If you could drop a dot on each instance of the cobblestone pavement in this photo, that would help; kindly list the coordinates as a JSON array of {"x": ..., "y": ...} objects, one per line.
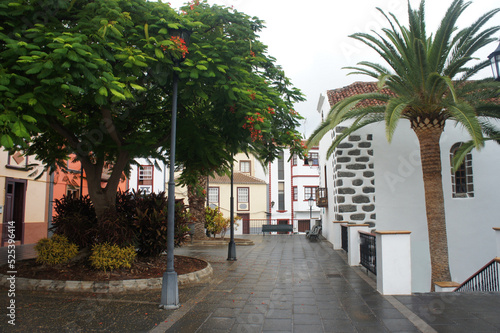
[{"x": 281, "y": 284}]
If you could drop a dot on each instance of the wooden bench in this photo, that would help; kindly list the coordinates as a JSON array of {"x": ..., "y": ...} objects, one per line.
[
  {"x": 276, "y": 228},
  {"x": 313, "y": 235}
]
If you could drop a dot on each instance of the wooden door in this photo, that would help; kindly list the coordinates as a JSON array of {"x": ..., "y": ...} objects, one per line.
[
  {"x": 15, "y": 198},
  {"x": 304, "y": 225},
  {"x": 245, "y": 219}
]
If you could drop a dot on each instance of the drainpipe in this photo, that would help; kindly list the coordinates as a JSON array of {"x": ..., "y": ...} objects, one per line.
[
  {"x": 51, "y": 197},
  {"x": 270, "y": 199},
  {"x": 291, "y": 192}
]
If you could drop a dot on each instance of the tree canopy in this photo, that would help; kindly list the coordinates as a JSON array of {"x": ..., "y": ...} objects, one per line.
[{"x": 95, "y": 78}]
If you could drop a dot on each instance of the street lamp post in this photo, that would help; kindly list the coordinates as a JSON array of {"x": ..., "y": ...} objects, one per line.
[
  {"x": 170, "y": 289},
  {"x": 311, "y": 203},
  {"x": 495, "y": 63},
  {"x": 231, "y": 251}
]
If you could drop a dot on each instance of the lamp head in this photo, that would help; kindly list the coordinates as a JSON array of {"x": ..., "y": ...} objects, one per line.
[{"x": 495, "y": 63}]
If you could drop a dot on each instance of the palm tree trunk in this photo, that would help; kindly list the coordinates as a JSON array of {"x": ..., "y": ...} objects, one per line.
[
  {"x": 196, "y": 196},
  {"x": 430, "y": 154}
]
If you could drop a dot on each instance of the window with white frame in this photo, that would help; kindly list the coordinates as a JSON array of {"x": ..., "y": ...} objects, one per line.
[
  {"x": 462, "y": 179},
  {"x": 145, "y": 172},
  {"x": 145, "y": 178},
  {"x": 243, "y": 198},
  {"x": 281, "y": 196},
  {"x": 309, "y": 192},
  {"x": 294, "y": 159},
  {"x": 245, "y": 166},
  {"x": 213, "y": 196},
  {"x": 295, "y": 193},
  {"x": 313, "y": 159}
]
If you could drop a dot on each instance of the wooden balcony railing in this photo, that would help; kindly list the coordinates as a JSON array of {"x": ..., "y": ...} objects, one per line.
[{"x": 321, "y": 197}]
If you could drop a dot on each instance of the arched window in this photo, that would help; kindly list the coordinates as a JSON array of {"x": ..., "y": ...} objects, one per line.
[{"x": 462, "y": 180}]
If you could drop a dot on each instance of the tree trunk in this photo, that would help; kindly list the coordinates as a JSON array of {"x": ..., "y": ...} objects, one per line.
[
  {"x": 104, "y": 198},
  {"x": 430, "y": 154},
  {"x": 196, "y": 196}
]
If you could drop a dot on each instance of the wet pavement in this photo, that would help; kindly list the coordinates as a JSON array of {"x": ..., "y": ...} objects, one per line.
[{"x": 281, "y": 284}]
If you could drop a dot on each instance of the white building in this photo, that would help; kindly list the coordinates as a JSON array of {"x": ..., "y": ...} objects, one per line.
[
  {"x": 370, "y": 180},
  {"x": 291, "y": 184},
  {"x": 149, "y": 175}
]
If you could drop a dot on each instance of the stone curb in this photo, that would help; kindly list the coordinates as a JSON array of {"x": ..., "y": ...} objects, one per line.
[{"x": 117, "y": 286}]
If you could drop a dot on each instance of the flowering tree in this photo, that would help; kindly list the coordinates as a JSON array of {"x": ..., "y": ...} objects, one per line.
[
  {"x": 233, "y": 96},
  {"x": 95, "y": 78}
]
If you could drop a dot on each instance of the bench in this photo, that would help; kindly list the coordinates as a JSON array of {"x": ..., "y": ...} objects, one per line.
[
  {"x": 276, "y": 228},
  {"x": 313, "y": 235},
  {"x": 313, "y": 230}
]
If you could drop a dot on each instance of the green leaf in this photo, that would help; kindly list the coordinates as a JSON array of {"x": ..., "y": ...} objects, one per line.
[
  {"x": 174, "y": 26},
  {"x": 194, "y": 74},
  {"x": 117, "y": 94},
  {"x": 137, "y": 87},
  {"x": 6, "y": 141},
  {"x": 159, "y": 54},
  {"x": 103, "y": 91},
  {"x": 19, "y": 130},
  {"x": 28, "y": 118},
  {"x": 201, "y": 67},
  {"x": 35, "y": 69}
]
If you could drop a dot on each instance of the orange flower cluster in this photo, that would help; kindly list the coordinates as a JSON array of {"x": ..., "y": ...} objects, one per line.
[
  {"x": 194, "y": 3},
  {"x": 179, "y": 45},
  {"x": 255, "y": 134},
  {"x": 271, "y": 110}
]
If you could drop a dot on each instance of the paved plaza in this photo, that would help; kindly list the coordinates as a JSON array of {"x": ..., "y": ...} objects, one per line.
[{"x": 281, "y": 284}]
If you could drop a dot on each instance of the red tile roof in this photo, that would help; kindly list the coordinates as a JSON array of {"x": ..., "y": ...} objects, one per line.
[
  {"x": 336, "y": 95},
  {"x": 239, "y": 178}
]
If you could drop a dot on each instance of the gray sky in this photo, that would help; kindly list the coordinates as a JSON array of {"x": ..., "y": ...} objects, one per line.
[{"x": 310, "y": 39}]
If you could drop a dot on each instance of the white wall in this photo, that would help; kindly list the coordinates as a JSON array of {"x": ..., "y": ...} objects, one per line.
[
  {"x": 160, "y": 176},
  {"x": 400, "y": 201}
]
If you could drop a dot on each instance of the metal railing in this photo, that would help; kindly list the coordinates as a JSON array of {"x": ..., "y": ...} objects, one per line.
[
  {"x": 368, "y": 251},
  {"x": 486, "y": 279},
  {"x": 344, "y": 238},
  {"x": 254, "y": 226}
]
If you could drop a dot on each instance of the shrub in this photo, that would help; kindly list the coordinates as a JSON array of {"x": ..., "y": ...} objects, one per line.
[
  {"x": 215, "y": 221},
  {"x": 115, "y": 228},
  {"x": 138, "y": 220},
  {"x": 56, "y": 250},
  {"x": 151, "y": 222},
  {"x": 75, "y": 219},
  {"x": 107, "y": 256}
]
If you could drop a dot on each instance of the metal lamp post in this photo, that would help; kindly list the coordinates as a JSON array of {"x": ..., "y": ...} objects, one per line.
[
  {"x": 231, "y": 251},
  {"x": 311, "y": 203},
  {"x": 495, "y": 63},
  {"x": 170, "y": 289}
]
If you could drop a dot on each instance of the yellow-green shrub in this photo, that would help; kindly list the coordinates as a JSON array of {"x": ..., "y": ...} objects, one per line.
[
  {"x": 55, "y": 250},
  {"x": 107, "y": 256}
]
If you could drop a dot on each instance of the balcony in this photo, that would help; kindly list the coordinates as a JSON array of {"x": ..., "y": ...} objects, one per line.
[{"x": 321, "y": 197}]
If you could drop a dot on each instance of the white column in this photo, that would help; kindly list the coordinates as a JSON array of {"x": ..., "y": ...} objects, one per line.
[
  {"x": 497, "y": 236},
  {"x": 393, "y": 262},
  {"x": 353, "y": 254}
]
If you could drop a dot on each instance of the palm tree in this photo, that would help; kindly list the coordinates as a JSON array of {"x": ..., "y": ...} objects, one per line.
[{"x": 427, "y": 83}]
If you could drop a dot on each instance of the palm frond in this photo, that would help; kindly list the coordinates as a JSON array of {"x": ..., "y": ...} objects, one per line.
[
  {"x": 460, "y": 154},
  {"x": 395, "y": 108},
  {"x": 465, "y": 115}
]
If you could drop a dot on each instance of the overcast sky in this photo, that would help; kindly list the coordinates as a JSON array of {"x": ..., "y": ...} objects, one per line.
[{"x": 310, "y": 39}]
